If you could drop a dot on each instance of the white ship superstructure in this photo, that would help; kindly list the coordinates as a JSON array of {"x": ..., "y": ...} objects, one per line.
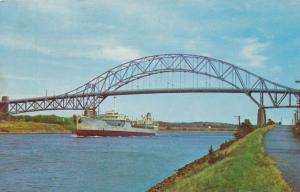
[{"x": 114, "y": 124}]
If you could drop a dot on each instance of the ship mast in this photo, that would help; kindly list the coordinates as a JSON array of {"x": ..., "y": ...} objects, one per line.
[{"x": 114, "y": 103}]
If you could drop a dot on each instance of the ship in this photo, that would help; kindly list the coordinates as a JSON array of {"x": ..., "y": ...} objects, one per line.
[{"x": 114, "y": 124}]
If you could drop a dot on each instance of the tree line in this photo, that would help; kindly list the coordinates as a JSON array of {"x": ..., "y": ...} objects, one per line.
[{"x": 51, "y": 119}]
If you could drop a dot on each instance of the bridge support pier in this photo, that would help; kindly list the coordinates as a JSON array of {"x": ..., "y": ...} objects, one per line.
[
  {"x": 261, "y": 117},
  {"x": 4, "y": 109},
  {"x": 90, "y": 113}
]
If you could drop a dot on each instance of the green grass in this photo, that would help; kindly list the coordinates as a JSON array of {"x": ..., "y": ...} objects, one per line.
[
  {"x": 296, "y": 130},
  {"x": 66, "y": 122},
  {"x": 31, "y": 127},
  {"x": 245, "y": 168}
]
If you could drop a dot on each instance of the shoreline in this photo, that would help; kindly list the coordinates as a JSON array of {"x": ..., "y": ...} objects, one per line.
[
  {"x": 166, "y": 131},
  {"x": 37, "y": 133},
  {"x": 200, "y": 175},
  {"x": 21, "y": 127},
  {"x": 197, "y": 129},
  {"x": 70, "y": 132}
]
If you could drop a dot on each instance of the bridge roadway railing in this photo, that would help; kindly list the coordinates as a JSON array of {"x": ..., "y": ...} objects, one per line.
[{"x": 88, "y": 101}]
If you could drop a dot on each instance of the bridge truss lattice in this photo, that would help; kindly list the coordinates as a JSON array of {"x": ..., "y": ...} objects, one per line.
[{"x": 264, "y": 93}]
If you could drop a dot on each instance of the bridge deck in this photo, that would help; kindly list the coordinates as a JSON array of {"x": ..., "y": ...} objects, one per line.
[{"x": 149, "y": 91}]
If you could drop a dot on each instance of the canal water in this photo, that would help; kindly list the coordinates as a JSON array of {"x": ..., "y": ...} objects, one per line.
[
  {"x": 65, "y": 163},
  {"x": 284, "y": 148}
]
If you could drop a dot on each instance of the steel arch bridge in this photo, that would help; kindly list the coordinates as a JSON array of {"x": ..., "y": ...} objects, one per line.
[{"x": 264, "y": 93}]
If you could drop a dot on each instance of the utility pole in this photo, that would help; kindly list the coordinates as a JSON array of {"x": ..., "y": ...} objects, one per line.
[
  {"x": 295, "y": 117},
  {"x": 239, "y": 119},
  {"x": 114, "y": 103},
  {"x": 298, "y": 109}
]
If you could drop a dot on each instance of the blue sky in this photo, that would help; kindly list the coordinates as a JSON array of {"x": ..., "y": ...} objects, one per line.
[{"x": 60, "y": 44}]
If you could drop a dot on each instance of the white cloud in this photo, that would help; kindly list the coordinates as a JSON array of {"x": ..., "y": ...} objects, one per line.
[
  {"x": 121, "y": 53},
  {"x": 198, "y": 47},
  {"x": 252, "y": 52},
  {"x": 93, "y": 48},
  {"x": 22, "y": 78},
  {"x": 97, "y": 48},
  {"x": 115, "y": 53},
  {"x": 56, "y": 7},
  {"x": 63, "y": 12},
  {"x": 18, "y": 42}
]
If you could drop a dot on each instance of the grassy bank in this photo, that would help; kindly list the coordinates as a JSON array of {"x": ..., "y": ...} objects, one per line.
[
  {"x": 243, "y": 166},
  {"x": 296, "y": 130},
  {"x": 66, "y": 122},
  {"x": 196, "y": 126},
  {"x": 174, "y": 129},
  {"x": 43, "y": 124},
  {"x": 20, "y": 127}
]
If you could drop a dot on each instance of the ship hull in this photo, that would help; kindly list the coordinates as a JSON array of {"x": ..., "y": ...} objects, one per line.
[
  {"x": 101, "y": 133},
  {"x": 94, "y": 127}
]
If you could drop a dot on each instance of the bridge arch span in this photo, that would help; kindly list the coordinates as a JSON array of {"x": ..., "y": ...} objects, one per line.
[
  {"x": 264, "y": 93},
  {"x": 240, "y": 79}
]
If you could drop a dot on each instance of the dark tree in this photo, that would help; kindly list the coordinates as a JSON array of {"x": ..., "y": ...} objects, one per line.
[
  {"x": 270, "y": 122},
  {"x": 246, "y": 128}
]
